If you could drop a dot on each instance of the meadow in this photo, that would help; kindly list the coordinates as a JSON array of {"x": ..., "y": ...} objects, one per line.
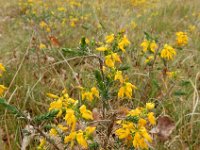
[{"x": 100, "y": 74}]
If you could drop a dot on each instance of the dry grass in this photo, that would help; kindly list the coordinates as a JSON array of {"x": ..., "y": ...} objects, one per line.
[{"x": 32, "y": 73}]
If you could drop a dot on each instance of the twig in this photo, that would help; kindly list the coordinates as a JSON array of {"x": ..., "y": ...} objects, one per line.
[
  {"x": 45, "y": 136},
  {"x": 109, "y": 131}
]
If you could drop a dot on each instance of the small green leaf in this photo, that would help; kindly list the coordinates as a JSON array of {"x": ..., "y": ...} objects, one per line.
[
  {"x": 48, "y": 116},
  {"x": 179, "y": 93},
  {"x": 123, "y": 68},
  {"x": 94, "y": 146},
  {"x": 11, "y": 108},
  {"x": 133, "y": 119},
  {"x": 98, "y": 76},
  {"x": 184, "y": 83}
]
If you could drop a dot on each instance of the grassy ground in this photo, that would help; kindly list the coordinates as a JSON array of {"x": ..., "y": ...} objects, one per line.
[{"x": 31, "y": 72}]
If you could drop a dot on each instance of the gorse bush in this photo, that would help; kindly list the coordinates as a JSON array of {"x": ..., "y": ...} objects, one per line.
[{"x": 78, "y": 121}]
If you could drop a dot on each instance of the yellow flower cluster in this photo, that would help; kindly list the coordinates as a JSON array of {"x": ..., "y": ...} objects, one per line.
[
  {"x": 168, "y": 52},
  {"x": 181, "y": 38},
  {"x": 150, "y": 46},
  {"x": 133, "y": 129},
  {"x": 90, "y": 95},
  {"x": 111, "y": 59},
  {"x": 2, "y": 87},
  {"x": 114, "y": 44},
  {"x": 121, "y": 43},
  {"x": 126, "y": 88},
  {"x": 43, "y": 25},
  {"x": 42, "y": 46},
  {"x": 124, "y": 42},
  {"x": 86, "y": 114},
  {"x": 71, "y": 114},
  {"x": 80, "y": 137}
]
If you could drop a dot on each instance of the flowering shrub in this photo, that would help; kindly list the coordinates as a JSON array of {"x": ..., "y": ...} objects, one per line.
[
  {"x": 77, "y": 121},
  {"x": 74, "y": 113}
]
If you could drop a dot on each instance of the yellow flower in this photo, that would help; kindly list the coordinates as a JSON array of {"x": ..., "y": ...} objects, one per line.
[
  {"x": 61, "y": 9},
  {"x": 126, "y": 90},
  {"x": 69, "y": 101},
  {"x": 144, "y": 133},
  {"x": 129, "y": 125},
  {"x": 136, "y": 140},
  {"x": 50, "y": 95},
  {"x": 116, "y": 57},
  {"x": 61, "y": 127},
  {"x": 151, "y": 118},
  {"x": 168, "y": 52},
  {"x": 70, "y": 138},
  {"x": 140, "y": 139},
  {"x": 149, "y": 45},
  {"x": 145, "y": 45},
  {"x": 124, "y": 43},
  {"x": 181, "y": 38},
  {"x": 121, "y": 92},
  {"x": 95, "y": 92},
  {"x": 87, "y": 95},
  {"x": 2, "y": 89},
  {"x": 87, "y": 41},
  {"x": 142, "y": 122},
  {"x": 171, "y": 74},
  {"x": 118, "y": 76},
  {"x": 129, "y": 88},
  {"x": 56, "y": 105},
  {"x": 89, "y": 130},
  {"x": 2, "y": 69},
  {"x": 138, "y": 134},
  {"x": 110, "y": 38},
  {"x": 102, "y": 48},
  {"x": 125, "y": 130},
  {"x": 149, "y": 59},
  {"x": 81, "y": 140},
  {"x": 135, "y": 112},
  {"x": 48, "y": 29},
  {"x": 42, "y": 46},
  {"x": 109, "y": 61},
  {"x": 122, "y": 133},
  {"x": 153, "y": 46},
  {"x": 86, "y": 114},
  {"x": 150, "y": 106},
  {"x": 53, "y": 132},
  {"x": 70, "y": 118},
  {"x": 42, "y": 143},
  {"x": 43, "y": 24}
]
